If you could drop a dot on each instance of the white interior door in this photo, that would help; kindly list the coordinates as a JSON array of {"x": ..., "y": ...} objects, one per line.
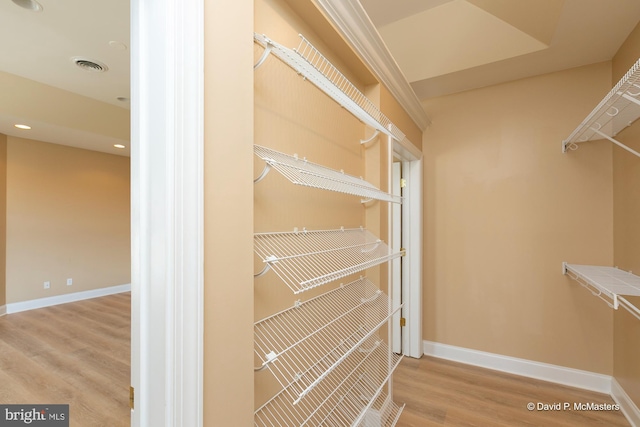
[{"x": 410, "y": 223}]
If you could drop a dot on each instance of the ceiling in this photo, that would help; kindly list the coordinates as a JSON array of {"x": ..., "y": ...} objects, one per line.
[
  {"x": 448, "y": 46},
  {"x": 442, "y": 47},
  {"x": 44, "y": 88}
]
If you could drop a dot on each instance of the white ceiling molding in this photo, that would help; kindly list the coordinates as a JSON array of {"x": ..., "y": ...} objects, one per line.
[{"x": 353, "y": 23}]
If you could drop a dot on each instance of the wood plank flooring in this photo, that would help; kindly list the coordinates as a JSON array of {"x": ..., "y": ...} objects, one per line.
[
  {"x": 442, "y": 393},
  {"x": 79, "y": 354},
  {"x": 76, "y": 354}
]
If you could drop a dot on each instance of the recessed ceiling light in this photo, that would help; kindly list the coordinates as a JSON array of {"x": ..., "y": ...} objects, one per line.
[
  {"x": 20, "y": 126},
  {"x": 31, "y": 5},
  {"x": 119, "y": 146}
]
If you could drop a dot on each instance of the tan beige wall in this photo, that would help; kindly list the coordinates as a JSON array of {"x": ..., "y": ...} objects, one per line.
[
  {"x": 626, "y": 227},
  {"x": 504, "y": 208},
  {"x": 228, "y": 214},
  {"x": 67, "y": 217},
  {"x": 3, "y": 219},
  {"x": 398, "y": 116}
]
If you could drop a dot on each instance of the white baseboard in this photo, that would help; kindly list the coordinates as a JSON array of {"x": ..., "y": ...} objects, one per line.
[
  {"x": 627, "y": 406},
  {"x": 63, "y": 299},
  {"x": 3, "y": 310},
  {"x": 523, "y": 367}
]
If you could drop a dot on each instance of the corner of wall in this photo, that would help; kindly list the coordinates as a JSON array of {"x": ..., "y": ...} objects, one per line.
[
  {"x": 3, "y": 223},
  {"x": 626, "y": 235}
]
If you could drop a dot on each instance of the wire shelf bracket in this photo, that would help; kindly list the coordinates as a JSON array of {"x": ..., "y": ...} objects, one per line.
[
  {"x": 307, "y": 259},
  {"x": 307, "y": 61},
  {"x": 302, "y": 172},
  {"x": 617, "y": 110},
  {"x": 371, "y": 138},
  {"x": 607, "y": 283},
  {"x": 302, "y": 345}
]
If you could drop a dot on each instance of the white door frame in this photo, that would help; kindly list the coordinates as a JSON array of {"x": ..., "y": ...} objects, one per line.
[
  {"x": 411, "y": 157},
  {"x": 396, "y": 264},
  {"x": 167, "y": 212}
]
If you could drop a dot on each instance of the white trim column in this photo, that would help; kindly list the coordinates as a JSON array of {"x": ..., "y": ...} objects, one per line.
[{"x": 167, "y": 211}]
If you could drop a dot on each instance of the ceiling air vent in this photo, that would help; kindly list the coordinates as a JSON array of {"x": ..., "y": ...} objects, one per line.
[{"x": 90, "y": 64}]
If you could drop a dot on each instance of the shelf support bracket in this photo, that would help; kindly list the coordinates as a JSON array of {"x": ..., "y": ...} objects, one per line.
[
  {"x": 630, "y": 307},
  {"x": 619, "y": 144},
  {"x": 263, "y": 174},
  {"x": 267, "y": 266},
  {"x": 265, "y": 54},
  {"x": 375, "y": 246},
  {"x": 371, "y": 138}
]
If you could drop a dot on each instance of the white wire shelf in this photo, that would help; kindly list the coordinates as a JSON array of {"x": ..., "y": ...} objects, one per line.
[
  {"x": 344, "y": 398},
  {"x": 311, "y": 64},
  {"x": 607, "y": 283},
  {"x": 302, "y": 345},
  {"x": 383, "y": 413},
  {"x": 306, "y": 259},
  {"x": 302, "y": 172},
  {"x": 619, "y": 109}
]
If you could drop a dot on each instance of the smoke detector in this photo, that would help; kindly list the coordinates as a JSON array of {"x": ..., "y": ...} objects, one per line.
[{"x": 89, "y": 64}]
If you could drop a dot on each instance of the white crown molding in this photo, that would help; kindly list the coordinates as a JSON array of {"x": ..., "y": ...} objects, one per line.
[
  {"x": 33, "y": 304},
  {"x": 353, "y": 23},
  {"x": 627, "y": 406},
  {"x": 527, "y": 368}
]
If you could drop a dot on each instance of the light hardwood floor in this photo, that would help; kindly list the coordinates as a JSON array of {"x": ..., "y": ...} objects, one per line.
[
  {"x": 79, "y": 354},
  {"x": 76, "y": 354},
  {"x": 443, "y": 393}
]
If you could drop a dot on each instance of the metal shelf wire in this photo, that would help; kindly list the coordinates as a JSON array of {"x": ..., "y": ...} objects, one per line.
[
  {"x": 311, "y": 64},
  {"x": 617, "y": 110},
  {"x": 383, "y": 413},
  {"x": 607, "y": 283},
  {"x": 306, "y": 259},
  {"x": 302, "y": 172},
  {"x": 344, "y": 398},
  {"x": 302, "y": 345}
]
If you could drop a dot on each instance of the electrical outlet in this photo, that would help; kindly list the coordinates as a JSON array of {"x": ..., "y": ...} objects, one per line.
[
  {"x": 47, "y": 285},
  {"x": 69, "y": 281}
]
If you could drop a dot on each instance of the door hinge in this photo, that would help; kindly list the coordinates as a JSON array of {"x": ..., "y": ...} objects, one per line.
[
  {"x": 403, "y": 321},
  {"x": 403, "y": 251},
  {"x": 131, "y": 397},
  {"x": 403, "y": 183}
]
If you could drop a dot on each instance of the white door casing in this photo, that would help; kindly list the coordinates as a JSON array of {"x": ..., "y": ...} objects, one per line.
[{"x": 167, "y": 212}]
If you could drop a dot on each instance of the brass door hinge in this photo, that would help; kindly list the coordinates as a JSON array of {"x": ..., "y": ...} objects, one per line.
[
  {"x": 131, "y": 397},
  {"x": 403, "y": 321},
  {"x": 403, "y": 251},
  {"x": 403, "y": 183}
]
